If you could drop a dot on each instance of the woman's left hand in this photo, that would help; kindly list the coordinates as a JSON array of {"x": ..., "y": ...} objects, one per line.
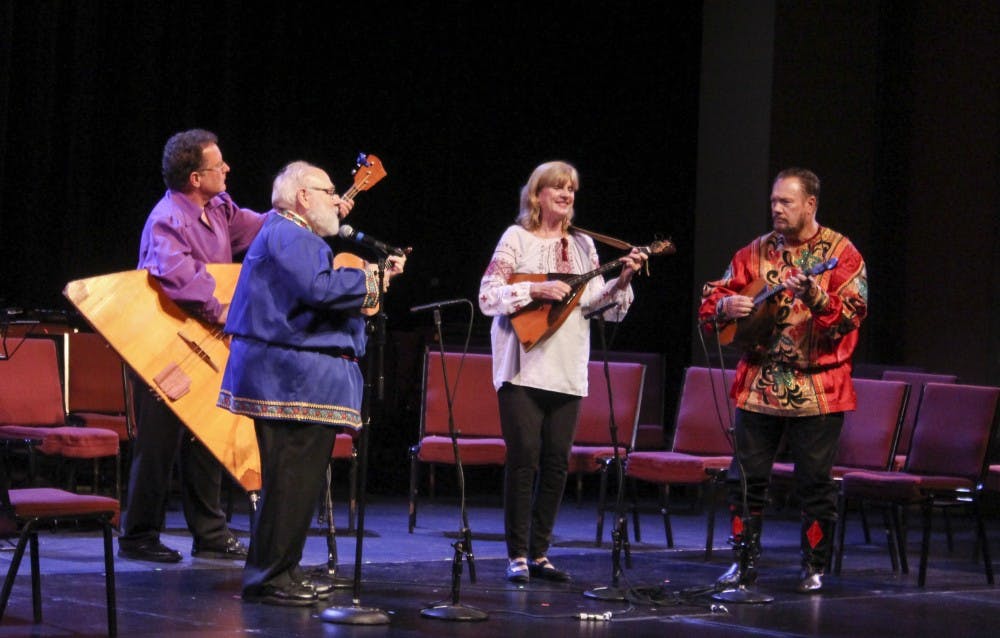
[{"x": 631, "y": 264}]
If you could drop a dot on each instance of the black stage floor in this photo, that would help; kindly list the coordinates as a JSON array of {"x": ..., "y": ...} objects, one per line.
[{"x": 403, "y": 574}]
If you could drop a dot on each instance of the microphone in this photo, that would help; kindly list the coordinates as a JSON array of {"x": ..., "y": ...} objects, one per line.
[
  {"x": 438, "y": 304},
  {"x": 600, "y": 311},
  {"x": 358, "y": 237}
]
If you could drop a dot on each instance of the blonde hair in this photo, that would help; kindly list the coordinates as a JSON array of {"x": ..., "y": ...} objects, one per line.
[{"x": 556, "y": 174}]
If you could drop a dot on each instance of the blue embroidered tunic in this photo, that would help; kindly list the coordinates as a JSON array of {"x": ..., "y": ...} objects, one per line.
[{"x": 297, "y": 329}]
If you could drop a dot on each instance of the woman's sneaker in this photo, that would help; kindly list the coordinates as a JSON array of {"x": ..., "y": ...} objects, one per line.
[{"x": 517, "y": 570}]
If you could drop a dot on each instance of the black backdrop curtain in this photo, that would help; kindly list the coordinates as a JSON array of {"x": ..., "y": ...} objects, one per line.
[
  {"x": 460, "y": 100},
  {"x": 894, "y": 102}
]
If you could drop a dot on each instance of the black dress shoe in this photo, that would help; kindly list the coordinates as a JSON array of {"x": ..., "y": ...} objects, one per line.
[
  {"x": 296, "y": 595},
  {"x": 321, "y": 580},
  {"x": 233, "y": 549},
  {"x": 542, "y": 568},
  {"x": 323, "y": 588},
  {"x": 153, "y": 551}
]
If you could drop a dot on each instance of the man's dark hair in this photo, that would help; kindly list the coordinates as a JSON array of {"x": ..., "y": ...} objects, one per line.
[
  {"x": 182, "y": 156},
  {"x": 808, "y": 179}
]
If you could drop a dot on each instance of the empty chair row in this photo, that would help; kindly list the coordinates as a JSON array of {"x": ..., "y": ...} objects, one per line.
[
  {"x": 33, "y": 415},
  {"x": 458, "y": 394}
]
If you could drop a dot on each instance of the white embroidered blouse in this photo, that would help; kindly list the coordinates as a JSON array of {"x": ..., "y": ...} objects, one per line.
[{"x": 559, "y": 363}]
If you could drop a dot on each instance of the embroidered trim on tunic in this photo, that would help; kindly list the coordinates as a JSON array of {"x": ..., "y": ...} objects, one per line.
[
  {"x": 296, "y": 219},
  {"x": 291, "y": 411},
  {"x": 371, "y": 285}
]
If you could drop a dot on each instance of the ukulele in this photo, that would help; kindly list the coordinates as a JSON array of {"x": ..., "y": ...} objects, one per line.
[
  {"x": 367, "y": 172},
  {"x": 751, "y": 330},
  {"x": 541, "y": 318}
]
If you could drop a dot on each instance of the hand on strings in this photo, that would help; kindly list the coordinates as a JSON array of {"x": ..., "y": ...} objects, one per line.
[
  {"x": 631, "y": 264},
  {"x": 734, "y": 307},
  {"x": 392, "y": 266},
  {"x": 800, "y": 285},
  {"x": 551, "y": 290}
]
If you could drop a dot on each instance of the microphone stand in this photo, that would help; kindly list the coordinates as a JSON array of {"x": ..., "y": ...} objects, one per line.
[
  {"x": 741, "y": 594},
  {"x": 463, "y": 546},
  {"x": 331, "y": 538},
  {"x": 619, "y": 535},
  {"x": 372, "y": 402}
]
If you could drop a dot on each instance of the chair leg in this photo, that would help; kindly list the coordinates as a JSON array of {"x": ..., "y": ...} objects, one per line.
[
  {"x": 710, "y": 496},
  {"x": 668, "y": 530},
  {"x": 602, "y": 493},
  {"x": 903, "y": 525},
  {"x": 36, "y": 578},
  {"x": 899, "y": 522},
  {"x": 925, "y": 543},
  {"x": 431, "y": 483},
  {"x": 414, "y": 472},
  {"x": 109, "y": 579},
  {"x": 579, "y": 491},
  {"x": 15, "y": 564},
  {"x": 118, "y": 476},
  {"x": 896, "y": 537},
  {"x": 947, "y": 530},
  {"x": 892, "y": 537},
  {"x": 630, "y": 485}
]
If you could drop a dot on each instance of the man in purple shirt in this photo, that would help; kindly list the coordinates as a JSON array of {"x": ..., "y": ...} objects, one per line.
[{"x": 195, "y": 223}]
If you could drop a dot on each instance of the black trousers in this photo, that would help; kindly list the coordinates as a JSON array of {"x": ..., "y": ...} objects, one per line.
[
  {"x": 812, "y": 442},
  {"x": 538, "y": 427},
  {"x": 293, "y": 460},
  {"x": 160, "y": 439}
]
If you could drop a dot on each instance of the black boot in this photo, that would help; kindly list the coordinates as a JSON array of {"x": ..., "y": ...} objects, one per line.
[
  {"x": 745, "y": 540},
  {"x": 817, "y": 545}
]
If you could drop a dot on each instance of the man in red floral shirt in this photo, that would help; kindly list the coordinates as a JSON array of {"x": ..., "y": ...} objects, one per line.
[{"x": 793, "y": 300}]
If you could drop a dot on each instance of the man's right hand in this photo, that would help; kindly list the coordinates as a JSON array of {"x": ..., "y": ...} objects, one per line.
[{"x": 735, "y": 307}]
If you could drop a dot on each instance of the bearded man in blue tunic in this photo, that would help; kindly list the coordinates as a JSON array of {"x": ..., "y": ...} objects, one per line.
[{"x": 297, "y": 332}]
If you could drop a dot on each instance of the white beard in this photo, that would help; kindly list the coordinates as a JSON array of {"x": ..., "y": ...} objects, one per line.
[{"x": 325, "y": 222}]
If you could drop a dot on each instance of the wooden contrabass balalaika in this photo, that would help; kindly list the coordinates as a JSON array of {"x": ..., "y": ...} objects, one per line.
[{"x": 182, "y": 358}]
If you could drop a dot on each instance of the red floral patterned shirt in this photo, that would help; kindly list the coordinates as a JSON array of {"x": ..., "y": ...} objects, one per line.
[{"x": 801, "y": 363}]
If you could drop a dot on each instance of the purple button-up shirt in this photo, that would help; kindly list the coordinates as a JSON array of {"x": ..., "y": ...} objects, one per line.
[{"x": 177, "y": 243}]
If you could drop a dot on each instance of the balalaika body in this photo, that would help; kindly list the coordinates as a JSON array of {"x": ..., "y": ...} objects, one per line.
[{"x": 540, "y": 319}]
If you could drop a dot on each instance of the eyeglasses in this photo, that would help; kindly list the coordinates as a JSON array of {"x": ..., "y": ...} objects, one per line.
[
  {"x": 217, "y": 167},
  {"x": 332, "y": 192}
]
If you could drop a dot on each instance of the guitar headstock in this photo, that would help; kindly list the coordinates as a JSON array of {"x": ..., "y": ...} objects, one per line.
[
  {"x": 661, "y": 247},
  {"x": 822, "y": 267},
  {"x": 368, "y": 172}
]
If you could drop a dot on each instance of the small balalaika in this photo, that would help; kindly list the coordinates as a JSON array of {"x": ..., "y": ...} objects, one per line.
[
  {"x": 541, "y": 318},
  {"x": 753, "y": 330}
]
